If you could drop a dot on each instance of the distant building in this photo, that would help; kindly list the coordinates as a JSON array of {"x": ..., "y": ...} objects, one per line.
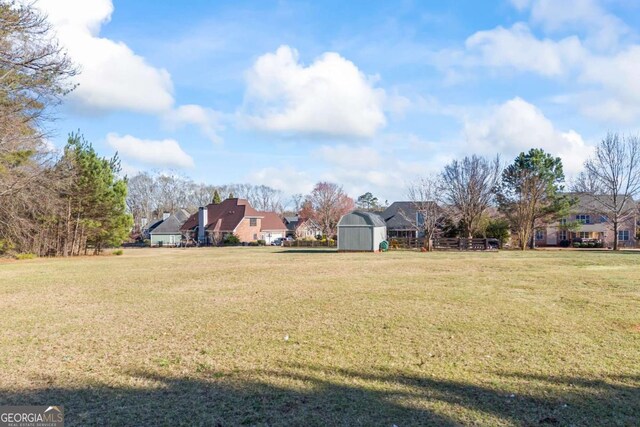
[
  {"x": 168, "y": 232},
  {"x": 212, "y": 223},
  {"x": 301, "y": 228},
  {"x": 593, "y": 225},
  {"x": 402, "y": 220}
]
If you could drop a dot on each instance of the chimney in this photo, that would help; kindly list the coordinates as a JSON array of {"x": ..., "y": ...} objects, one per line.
[
  {"x": 203, "y": 219},
  {"x": 165, "y": 215}
]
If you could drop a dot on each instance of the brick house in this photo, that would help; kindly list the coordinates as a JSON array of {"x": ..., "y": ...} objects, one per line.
[
  {"x": 235, "y": 216},
  {"x": 592, "y": 225}
]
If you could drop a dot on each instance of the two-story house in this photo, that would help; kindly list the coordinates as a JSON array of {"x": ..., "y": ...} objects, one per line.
[
  {"x": 235, "y": 216},
  {"x": 587, "y": 222}
]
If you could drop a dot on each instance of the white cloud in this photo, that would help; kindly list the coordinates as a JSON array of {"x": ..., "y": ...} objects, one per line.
[
  {"x": 288, "y": 179},
  {"x": 517, "y": 126},
  {"x": 206, "y": 119},
  {"x": 618, "y": 75},
  {"x": 518, "y": 48},
  {"x": 329, "y": 97},
  {"x": 162, "y": 153},
  {"x": 603, "y": 29},
  {"x": 112, "y": 76},
  {"x": 598, "y": 61}
]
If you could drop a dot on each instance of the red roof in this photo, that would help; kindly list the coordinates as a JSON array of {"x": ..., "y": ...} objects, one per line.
[
  {"x": 224, "y": 216},
  {"x": 271, "y": 221}
]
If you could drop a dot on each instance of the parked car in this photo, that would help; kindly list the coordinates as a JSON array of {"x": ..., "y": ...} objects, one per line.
[{"x": 277, "y": 242}]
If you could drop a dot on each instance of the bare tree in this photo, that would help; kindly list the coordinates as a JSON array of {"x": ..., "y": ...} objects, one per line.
[
  {"x": 267, "y": 199},
  {"x": 468, "y": 188},
  {"x": 430, "y": 215},
  {"x": 326, "y": 204},
  {"x": 613, "y": 178}
]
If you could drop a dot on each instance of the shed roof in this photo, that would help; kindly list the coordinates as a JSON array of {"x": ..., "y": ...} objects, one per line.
[{"x": 362, "y": 218}]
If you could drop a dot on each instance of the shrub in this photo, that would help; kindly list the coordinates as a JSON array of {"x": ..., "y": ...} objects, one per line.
[
  {"x": 146, "y": 242},
  {"x": 261, "y": 242},
  {"x": 254, "y": 243},
  {"x": 5, "y": 246},
  {"x": 591, "y": 245},
  {"x": 576, "y": 244},
  {"x": 117, "y": 252},
  {"x": 231, "y": 240},
  {"x": 27, "y": 255},
  {"x": 564, "y": 243}
]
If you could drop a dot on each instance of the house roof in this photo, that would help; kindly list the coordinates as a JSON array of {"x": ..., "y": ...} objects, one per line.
[
  {"x": 589, "y": 203},
  {"x": 271, "y": 222},
  {"x": 152, "y": 226},
  {"x": 172, "y": 224},
  {"x": 226, "y": 216},
  {"x": 397, "y": 215}
]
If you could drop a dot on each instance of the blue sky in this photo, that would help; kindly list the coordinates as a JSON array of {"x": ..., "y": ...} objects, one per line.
[{"x": 368, "y": 94}]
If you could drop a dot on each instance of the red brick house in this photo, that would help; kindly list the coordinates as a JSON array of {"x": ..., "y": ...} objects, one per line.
[{"x": 213, "y": 222}]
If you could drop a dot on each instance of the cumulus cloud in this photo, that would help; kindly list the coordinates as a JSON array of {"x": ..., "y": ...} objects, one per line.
[
  {"x": 603, "y": 29},
  {"x": 112, "y": 75},
  {"x": 517, "y": 126},
  {"x": 288, "y": 179},
  {"x": 329, "y": 97},
  {"x": 206, "y": 119},
  {"x": 598, "y": 59},
  {"x": 518, "y": 48},
  {"x": 160, "y": 153}
]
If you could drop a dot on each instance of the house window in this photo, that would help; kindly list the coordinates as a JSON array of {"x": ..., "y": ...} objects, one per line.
[
  {"x": 563, "y": 221},
  {"x": 584, "y": 234},
  {"x": 604, "y": 218},
  {"x": 255, "y": 237},
  {"x": 584, "y": 219},
  {"x": 563, "y": 235},
  {"x": 623, "y": 235},
  {"x": 253, "y": 222},
  {"x": 539, "y": 235}
]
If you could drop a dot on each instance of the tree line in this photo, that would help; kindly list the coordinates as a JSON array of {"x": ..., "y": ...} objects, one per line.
[
  {"x": 51, "y": 203},
  {"x": 527, "y": 194},
  {"x": 150, "y": 194}
]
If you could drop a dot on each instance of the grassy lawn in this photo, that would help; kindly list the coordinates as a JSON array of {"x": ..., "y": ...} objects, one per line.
[{"x": 269, "y": 336}]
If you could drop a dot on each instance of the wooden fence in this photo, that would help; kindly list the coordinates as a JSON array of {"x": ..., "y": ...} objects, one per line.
[
  {"x": 455, "y": 244},
  {"x": 309, "y": 244},
  {"x": 441, "y": 244}
]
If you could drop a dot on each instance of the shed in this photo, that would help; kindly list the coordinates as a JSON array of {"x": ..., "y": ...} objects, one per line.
[{"x": 361, "y": 232}]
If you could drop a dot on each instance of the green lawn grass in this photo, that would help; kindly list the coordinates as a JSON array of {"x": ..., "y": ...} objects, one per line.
[{"x": 270, "y": 336}]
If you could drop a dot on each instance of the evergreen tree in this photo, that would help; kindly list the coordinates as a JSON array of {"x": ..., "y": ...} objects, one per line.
[
  {"x": 216, "y": 198},
  {"x": 529, "y": 194}
]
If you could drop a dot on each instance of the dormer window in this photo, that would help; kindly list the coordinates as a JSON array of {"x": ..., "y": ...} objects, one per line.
[{"x": 253, "y": 222}]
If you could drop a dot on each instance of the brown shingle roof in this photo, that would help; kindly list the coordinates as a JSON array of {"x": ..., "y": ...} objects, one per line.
[
  {"x": 271, "y": 221},
  {"x": 224, "y": 216}
]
